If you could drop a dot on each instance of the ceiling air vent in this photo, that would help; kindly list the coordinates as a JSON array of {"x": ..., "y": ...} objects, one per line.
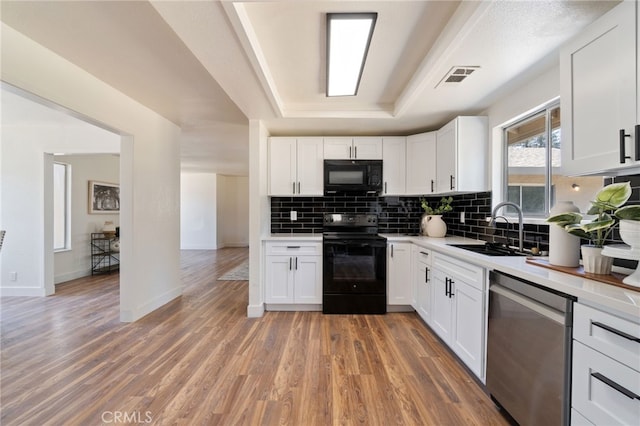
[{"x": 457, "y": 74}]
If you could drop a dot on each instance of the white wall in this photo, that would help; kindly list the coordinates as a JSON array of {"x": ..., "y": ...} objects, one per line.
[
  {"x": 76, "y": 262},
  {"x": 233, "y": 211},
  {"x": 520, "y": 102},
  {"x": 149, "y": 178},
  {"x": 198, "y": 214},
  {"x": 259, "y": 214},
  {"x": 26, "y": 176}
]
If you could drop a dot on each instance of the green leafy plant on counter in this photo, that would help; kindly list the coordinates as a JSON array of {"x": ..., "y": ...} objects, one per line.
[
  {"x": 443, "y": 207},
  {"x": 607, "y": 208}
]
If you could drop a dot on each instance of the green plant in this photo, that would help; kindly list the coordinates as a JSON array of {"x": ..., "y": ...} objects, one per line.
[
  {"x": 444, "y": 206},
  {"x": 607, "y": 208}
]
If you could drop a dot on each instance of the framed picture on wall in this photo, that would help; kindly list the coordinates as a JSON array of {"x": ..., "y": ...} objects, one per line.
[{"x": 104, "y": 197}]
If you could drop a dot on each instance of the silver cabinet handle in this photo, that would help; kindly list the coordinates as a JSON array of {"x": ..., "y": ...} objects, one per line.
[
  {"x": 296, "y": 264},
  {"x": 290, "y": 263},
  {"x": 349, "y": 152},
  {"x": 355, "y": 152},
  {"x": 298, "y": 187},
  {"x": 607, "y": 381},
  {"x": 293, "y": 247},
  {"x": 451, "y": 178},
  {"x": 391, "y": 250},
  {"x": 432, "y": 183},
  {"x": 294, "y": 187},
  {"x": 426, "y": 274},
  {"x": 385, "y": 187}
]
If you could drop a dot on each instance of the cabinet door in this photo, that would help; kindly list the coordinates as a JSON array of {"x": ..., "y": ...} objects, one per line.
[
  {"x": 310, "y": 166},
  {"x": 446, "y": 158},
  {"x": 399, "y": 288},
  {"x": 598, "y": 79},
  {"x": 367, "y": 148},
  {"x": 423, "y": 294},
  {"x": 440, "y": 305},
  {"x": 394, "y": 153},
  {"x": 421, "y": 163},
  {"x": 308, "y": 279},
  {"x": 468, "y": 325},
  {"x": 279, "y": 279},
  {"x": 337, "y": 148},
  {"x": 282, "y": 166}
]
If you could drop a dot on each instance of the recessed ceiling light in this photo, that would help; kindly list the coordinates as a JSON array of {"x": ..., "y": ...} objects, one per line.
[{"x": 348, "y": 39}]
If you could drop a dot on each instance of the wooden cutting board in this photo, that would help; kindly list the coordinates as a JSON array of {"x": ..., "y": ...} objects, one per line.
[{"x": 614, "y": 278}]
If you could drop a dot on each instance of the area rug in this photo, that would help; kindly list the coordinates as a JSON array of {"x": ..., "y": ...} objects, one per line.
[{"x": 239, "y": 273}]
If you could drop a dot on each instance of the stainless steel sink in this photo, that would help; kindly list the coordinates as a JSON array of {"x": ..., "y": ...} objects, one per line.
[{"x": 489, "y": 249}]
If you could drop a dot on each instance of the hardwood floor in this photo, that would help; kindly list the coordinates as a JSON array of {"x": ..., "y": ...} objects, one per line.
[{"x": 67, "y": 360}]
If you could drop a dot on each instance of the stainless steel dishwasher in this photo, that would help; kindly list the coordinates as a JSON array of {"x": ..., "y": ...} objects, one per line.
[{"x": 529, "y": 350}]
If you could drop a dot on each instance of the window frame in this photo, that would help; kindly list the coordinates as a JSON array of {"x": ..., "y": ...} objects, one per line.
[
  {"x": 67, "y": 208},
  {"x": 545, "y": 109}
]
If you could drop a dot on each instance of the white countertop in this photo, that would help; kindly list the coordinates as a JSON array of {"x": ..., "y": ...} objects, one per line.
[{"x": 586, "y": 290}]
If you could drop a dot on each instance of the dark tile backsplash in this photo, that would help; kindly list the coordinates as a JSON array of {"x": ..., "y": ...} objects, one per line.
[{"x": 400, "y": 215}]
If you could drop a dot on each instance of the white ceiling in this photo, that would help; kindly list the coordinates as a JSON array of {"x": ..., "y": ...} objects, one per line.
[{"x": 210, "y": 66}]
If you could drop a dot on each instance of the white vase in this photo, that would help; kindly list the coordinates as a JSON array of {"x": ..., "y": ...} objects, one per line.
[
  {"x": 423, "y": 224},
  {"x": 564, "y": 248},
  {"x": 594, "y": 262},
  {"x": 630, "y": 233},
  {"x": 436, "y": 226}
]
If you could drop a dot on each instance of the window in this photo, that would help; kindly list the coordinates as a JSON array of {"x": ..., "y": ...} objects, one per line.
[
  {"x": 61, "y": 206},
  {"x": 532, "y": 156}
]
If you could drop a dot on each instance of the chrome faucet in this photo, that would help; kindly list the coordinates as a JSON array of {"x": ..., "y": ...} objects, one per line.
[{"x": 520, "y": 219}]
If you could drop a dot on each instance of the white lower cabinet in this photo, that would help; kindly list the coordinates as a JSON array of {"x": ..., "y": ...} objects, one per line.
[
  {"x": 399, "y": 288},
  {"x": 293, "y": 273},
  {"x": 458, "y": 309},
  {"x": 422, "y": 282},
  {"x": 605, "y": 387}
]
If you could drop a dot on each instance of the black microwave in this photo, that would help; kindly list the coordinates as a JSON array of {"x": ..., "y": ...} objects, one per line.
[{"x": 357, "y": 177}]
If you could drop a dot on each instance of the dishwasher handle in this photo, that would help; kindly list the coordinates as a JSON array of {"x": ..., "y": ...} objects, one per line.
[{"x": 535, "y": 306}]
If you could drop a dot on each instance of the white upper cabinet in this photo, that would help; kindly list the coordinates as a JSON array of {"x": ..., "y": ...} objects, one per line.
[
  {"x": 599, "y": 95},
  {"x": 296, "y": 166},
  {"x": 421, "y": 163},
  {"x": 353, "y": 148},
  {"x": 394, "y": 168},
  {"x": 399, "y": 286},
  {"x": 461, "y": 155}
]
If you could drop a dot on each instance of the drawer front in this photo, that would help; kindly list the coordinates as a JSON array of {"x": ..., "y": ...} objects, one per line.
[
  {"x": 613, "y": 336},
  {"x": 603, "y": 390},
  {"x": 292, "y": 248},
  {"x": 422, "y": 255},
  {"x": 471, "y": 274}
]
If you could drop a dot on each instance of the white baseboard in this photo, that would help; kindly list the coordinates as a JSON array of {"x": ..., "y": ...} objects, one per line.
[
  {"x": 400, "y": 308},
  {"x": 63, "y": 278},
  {"x": 293, "y": 307},
  {"x": 22, "y": 291},
  {"x": 150, "y": 306},
  {"x": 240, "y": 244},
  {"x": 255, "y": 311}
]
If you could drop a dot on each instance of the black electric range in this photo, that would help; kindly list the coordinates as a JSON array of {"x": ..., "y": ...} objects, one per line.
[{"x": 354, "y": 265}]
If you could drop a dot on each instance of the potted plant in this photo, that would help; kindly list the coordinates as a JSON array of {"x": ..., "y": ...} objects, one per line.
[
  {"x": 607, "y": 209},
  {"x": 432, "y": 224}
]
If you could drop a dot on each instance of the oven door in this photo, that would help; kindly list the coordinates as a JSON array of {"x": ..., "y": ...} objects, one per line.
[{"x": 354, "y": 266}]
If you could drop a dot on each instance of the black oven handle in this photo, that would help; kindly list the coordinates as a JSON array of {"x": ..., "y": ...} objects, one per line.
[{"x": 353, "y": 243}]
